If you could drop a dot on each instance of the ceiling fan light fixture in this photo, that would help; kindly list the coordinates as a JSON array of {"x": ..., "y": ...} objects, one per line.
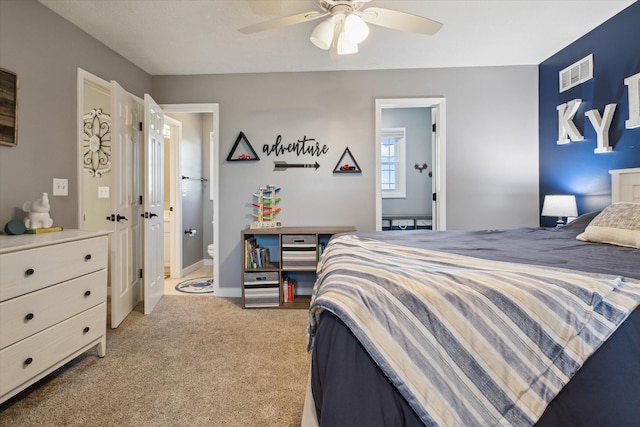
[
  {"x": 345, "y": 46},
  {"x": 322, "y": 35},
  {"x": 355, "y": 28}
]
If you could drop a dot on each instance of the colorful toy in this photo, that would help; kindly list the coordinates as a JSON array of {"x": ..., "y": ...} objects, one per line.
[{"x": 266, "y": 208}]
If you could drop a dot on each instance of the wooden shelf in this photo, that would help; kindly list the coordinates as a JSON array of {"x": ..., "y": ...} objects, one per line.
[
  {"x": 293, "y": 254},
  {"x": 299, "y": 302}
]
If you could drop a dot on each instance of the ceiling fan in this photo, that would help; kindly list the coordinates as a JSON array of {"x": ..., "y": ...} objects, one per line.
[{"x": 346, "y": 24}]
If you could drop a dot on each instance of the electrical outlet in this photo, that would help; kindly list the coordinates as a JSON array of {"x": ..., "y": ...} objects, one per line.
[
  {"x": 60, "y": 187},
  {"x": 103, "y": 192}
]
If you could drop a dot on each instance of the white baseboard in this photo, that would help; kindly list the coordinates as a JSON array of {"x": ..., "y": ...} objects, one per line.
[{"x": 192, "y": 268}]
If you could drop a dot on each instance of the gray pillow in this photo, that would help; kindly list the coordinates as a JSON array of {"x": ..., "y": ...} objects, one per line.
[{"x": 618, "y": 224}]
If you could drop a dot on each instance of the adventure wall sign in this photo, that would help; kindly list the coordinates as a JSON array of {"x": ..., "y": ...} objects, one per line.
[
  {"x": 304, "y": 146},
  {"x": 567, "y": 131},
  {"x": 301, "y": 147}
]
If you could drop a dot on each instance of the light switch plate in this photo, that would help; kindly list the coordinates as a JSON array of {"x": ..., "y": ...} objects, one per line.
[
  {"x": 60, "y": 187},
  {"x": 103, "y": 192}
]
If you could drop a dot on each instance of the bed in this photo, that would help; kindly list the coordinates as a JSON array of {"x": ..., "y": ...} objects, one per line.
[{"x": 518, "y": 327}]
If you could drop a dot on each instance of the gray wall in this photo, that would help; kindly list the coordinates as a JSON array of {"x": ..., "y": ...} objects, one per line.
[
  {"x": 417, "y": 125},
  {"x": 45, "y": 51},
  {"x": 194, "y": 193},
  {"x": 491, "y": 167}
]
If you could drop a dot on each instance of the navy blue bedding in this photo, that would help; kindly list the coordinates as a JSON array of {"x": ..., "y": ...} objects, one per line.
[{"x": 349, "y": 388}]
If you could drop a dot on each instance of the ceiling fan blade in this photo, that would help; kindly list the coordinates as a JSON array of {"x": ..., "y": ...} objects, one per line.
[
  {"x": 283, "y": 22},
  {"x": 399, "y": 20}
]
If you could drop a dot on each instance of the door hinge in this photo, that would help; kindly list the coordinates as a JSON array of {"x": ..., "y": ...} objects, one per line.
[
  {"x": 140, "y": 126},
  {"x": 140, "y": 275},
  {"x": 433, "y": 197},
  {"x": 140, "y": 199},
  {"x": 433, "y": 127}
]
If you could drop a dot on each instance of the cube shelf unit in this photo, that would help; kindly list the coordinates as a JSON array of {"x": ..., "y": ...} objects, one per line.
[{"x": 270, "y": 255}]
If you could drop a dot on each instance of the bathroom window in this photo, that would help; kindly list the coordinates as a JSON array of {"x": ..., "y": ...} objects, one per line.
[{"x": 393, "y": 161}]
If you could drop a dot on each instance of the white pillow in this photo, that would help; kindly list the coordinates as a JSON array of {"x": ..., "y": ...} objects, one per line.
[{"x": 618, "y": 224}]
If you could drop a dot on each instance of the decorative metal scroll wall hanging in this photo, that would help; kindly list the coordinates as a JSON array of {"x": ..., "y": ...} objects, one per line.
[{"x": 96, "y": 143}]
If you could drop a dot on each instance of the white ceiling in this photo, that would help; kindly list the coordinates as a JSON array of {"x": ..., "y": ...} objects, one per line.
[{"x": 175, "y": 37}]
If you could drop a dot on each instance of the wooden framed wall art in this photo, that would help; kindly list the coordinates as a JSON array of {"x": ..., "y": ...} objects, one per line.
[{"x": 8, "y": 108}]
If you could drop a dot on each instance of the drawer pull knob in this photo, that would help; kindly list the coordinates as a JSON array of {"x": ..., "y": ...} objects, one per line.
[
  {"x": 29, "y": 316},
  {"x": 29, "y": 272},
  {"x": 28, "y": 361},
  {"x": 87, "y": 257},
  {"x": 86, "y": 329},
  {"x": 87, "y": 293}
]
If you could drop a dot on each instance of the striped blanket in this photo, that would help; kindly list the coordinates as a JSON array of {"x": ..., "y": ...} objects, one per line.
[{"x": 468, "y": 341}]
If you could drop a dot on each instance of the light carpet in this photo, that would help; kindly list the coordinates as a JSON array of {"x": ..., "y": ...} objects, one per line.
[{"x": 193, "y": 361}]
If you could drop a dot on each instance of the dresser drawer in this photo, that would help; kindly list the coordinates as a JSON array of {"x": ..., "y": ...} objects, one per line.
[
  {"x": 31, "y": 356},
  {"x": 32, "y": 269},
  {"x": 25, "y": 315}
]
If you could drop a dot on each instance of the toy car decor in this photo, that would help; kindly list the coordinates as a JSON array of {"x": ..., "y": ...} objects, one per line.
[{"x": 346, "y": 167}]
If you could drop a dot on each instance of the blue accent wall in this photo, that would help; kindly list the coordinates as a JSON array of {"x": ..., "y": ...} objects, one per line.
[{"x": 574, "y": 168}]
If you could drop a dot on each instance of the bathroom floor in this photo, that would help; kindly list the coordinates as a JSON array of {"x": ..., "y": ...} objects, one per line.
[{"x": 170, "y": 284}]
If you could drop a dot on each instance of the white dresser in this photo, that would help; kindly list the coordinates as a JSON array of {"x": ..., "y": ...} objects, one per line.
[{"x": 53, "y": 291}]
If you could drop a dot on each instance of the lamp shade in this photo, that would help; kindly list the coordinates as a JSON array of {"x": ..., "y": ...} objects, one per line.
[
  {"x": 355, "y": 28},
  {"x": 559, "y": 206},
  {"x": 322, "y": 35},
  {"x": 345, "y": 46}
]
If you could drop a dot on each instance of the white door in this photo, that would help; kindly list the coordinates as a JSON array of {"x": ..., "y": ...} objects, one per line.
[
  {"x": 435, "y": 224},
  {"x": 125, "y": 206},
  {"x": 153, "y": 204}
]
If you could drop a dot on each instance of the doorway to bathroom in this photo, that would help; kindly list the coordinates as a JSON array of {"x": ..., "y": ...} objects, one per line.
[{"x": 191, "y": 191}]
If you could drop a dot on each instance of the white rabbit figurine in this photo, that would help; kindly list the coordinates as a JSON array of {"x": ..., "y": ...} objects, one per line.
[{"x": 38, "y": 213}]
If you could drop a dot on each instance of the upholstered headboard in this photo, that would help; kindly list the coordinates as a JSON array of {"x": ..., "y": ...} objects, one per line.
[{"x": 625, "y": 185}]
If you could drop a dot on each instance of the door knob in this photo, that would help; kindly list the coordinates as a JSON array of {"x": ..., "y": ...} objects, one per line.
[{"x": 119, "y": 217}]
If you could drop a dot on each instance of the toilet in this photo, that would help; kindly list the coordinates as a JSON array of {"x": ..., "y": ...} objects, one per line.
[{"x": 210, "y": 250}]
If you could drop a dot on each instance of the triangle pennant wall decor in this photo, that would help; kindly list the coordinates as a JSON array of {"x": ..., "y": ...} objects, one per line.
[
  {"x": 245, "y": 152},
  {"x": 347, "y": 163}
]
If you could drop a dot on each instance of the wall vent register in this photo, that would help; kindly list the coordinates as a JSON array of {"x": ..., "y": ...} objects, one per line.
[{"x": 576, "y": 73}]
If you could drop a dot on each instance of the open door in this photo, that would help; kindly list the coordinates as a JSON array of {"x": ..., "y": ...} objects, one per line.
[
  {"x": 153, "y": 204},
  {"x": 125, "y": 206}
]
